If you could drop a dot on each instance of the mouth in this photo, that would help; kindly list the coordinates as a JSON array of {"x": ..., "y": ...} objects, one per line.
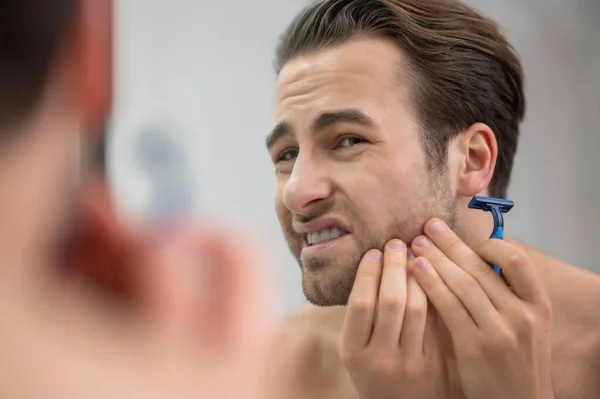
[{"x": 324, "y": 236}]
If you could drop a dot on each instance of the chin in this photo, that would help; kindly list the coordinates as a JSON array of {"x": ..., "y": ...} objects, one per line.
[{"x": 327, "y": 284}]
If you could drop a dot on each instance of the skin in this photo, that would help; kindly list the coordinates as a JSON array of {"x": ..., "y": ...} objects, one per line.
[
  {"x": 340, "y": 172},
  {"x": 501, "y": 336},
  {"x": 372, "y": 181},
  {"x": 102, "y": 310}
]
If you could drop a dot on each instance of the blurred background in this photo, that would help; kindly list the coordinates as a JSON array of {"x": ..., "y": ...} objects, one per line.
[{"x": 203, "y": 72}]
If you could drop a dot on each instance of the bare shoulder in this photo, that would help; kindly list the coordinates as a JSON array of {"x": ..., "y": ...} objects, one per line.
[
  {"x": 304, "y": 355},
  {"x": 575, "y": 296},
  {"x": 573, "y": 291}
]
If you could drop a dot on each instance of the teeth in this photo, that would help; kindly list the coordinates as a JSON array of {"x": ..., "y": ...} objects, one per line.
[{"x": 324, "y": 235}]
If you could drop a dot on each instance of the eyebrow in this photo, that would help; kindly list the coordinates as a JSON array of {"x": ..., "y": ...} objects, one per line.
[{"x": 323, "y": 121}]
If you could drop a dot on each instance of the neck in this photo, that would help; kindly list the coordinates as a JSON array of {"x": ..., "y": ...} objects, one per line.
[{"x": 473, "y": 226}]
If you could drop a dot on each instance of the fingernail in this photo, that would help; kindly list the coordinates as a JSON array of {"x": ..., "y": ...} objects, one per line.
[
  {"x": 397, "y": 245},
  {"x": 422, "y": 242},
  {"x": 423, "y": 265},
  {"x": 436, "y": 228},
  {"x": 374, "y": 256}
]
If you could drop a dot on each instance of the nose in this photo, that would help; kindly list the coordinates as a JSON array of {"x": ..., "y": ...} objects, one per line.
[{"x": 306, "y": 187}]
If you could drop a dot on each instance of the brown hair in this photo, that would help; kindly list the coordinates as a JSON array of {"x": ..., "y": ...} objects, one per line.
[
  {"x": 31, "y": 32},
  {"x": 463, "y": 69}
]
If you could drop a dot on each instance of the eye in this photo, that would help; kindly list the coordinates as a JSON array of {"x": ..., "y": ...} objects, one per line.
[
  {"x": 351, "y": 141},
  {"x": 287, "y": 155}
]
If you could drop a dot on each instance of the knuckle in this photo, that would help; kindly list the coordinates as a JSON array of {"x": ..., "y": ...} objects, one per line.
[
  {"x": 369, "y": 272},
  {"x": 362, "y": 305},
  {"x": 454, "y": 303},
  {"x": 416, "y": 310},
  {"x": 392, "y": 304},
  {"x": 411, "y": 371},
  {"x": 484, "y": 270},
  {"x": 395, "y": 260},
  {"x": 527, "y": 322},
  {"x": 517, "y": 259},
  {"x": 454, "y": 244},
  {"x": 468, "y": 284},
  {"x": 384, "y": 365}
]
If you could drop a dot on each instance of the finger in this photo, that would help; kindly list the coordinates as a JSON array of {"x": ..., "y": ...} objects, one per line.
[
  {"x": 415, "y": 319},
  {"x": 358, "y": 324},
  {"x": 517, "y": 267},
  {"x": 450, "y": 308},
  {"x": 431, "y": 335},
  {"x": 392, "y": 297},
  {"x": 464, "y": 257},
  {"x": 460, "y": 283}
]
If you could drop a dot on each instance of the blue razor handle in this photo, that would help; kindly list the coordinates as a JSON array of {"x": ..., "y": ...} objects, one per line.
[
  {"x": 497, "y": 207},
  {"x": 498, "y": 232}
]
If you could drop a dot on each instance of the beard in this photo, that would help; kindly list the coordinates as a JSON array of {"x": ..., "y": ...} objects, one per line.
[{"x": 329, "y": 281}]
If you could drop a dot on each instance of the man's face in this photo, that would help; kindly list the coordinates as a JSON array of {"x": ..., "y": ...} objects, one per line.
[{"x": 350, "y": 170}]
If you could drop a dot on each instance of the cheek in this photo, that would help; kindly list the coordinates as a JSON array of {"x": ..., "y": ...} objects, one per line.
[
  {"x": 396, "y": 191},
  {"x": 376, "y": 190},
  {"x": 399, "y": 181}
]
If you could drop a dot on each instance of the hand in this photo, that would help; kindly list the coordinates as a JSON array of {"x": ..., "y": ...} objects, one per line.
[
  {"x": 389, "y": 343},
  {"x": 501, "y": 336},
  {"x": 136, "y": 317}
]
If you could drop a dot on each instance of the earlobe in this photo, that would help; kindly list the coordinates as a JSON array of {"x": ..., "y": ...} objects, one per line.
[
  {"x": 479, "y": 152},
  {"x": 95, "y": 59}
]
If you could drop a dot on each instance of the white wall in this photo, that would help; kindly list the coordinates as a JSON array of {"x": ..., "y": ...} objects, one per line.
[
  {"x": 556, "y": 178},
  {"x": 205, "y": 68}
]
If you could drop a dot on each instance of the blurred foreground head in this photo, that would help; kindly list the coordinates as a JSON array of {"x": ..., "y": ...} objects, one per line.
[
  {"x": 55, "y": 79},
  {"x": 122, "y": 314}
]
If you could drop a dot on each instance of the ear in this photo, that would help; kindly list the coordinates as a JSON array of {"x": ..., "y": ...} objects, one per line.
[
  {"x": 95, "y": 46},
  {"x": 475, "y": 152}
]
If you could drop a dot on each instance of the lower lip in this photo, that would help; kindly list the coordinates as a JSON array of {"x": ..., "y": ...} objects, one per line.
[{"x": 315, "y": 250}]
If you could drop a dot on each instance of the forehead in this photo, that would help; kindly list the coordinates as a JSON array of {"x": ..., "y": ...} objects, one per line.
[{"x": 360, "y": 74}]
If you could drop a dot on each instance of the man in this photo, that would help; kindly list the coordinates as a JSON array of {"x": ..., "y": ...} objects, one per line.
[
  {"x": 390, "y": 116},
  {"x": 89, "y": 308}
]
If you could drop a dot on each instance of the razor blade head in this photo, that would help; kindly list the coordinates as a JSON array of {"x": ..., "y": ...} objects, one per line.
[{"x": 486, "y": 204}]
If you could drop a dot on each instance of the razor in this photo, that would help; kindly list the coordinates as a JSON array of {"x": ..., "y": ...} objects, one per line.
[{"x": 497, "y": 207}]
